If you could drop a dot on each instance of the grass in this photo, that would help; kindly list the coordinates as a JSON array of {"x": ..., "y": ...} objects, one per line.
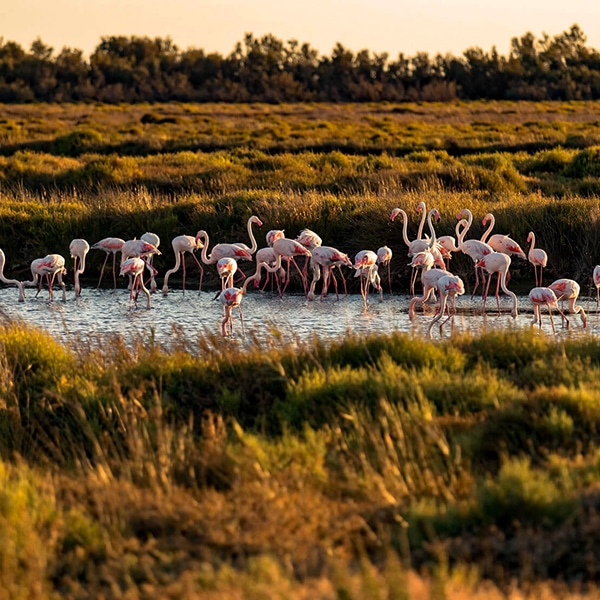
[
  {"x": 136, "y": 474},
  {"x": 371, "y": 467}
]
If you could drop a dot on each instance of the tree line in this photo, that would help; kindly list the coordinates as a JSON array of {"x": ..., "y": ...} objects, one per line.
[{"x": 266, "y": 69}]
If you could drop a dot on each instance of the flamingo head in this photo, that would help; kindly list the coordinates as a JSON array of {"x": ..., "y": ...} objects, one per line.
[
  {"x": 461, "y": 214},
  {"x": 256, "y": 220},
  {"x": 436, "y": 215},
  {"x": 529, "y": 236},
  {"x": 420, "y": 207},
  {"x": 394, "y": 214},
  {"x": 199, "y": 235},
  {"x": 274, "y": 234}
]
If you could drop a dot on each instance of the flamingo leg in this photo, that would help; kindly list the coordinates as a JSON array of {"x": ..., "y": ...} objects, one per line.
[
  {"x": 114, "y": 270},
  {"x": 102, "y": 270},
  {"x": 389, "y": 276}
]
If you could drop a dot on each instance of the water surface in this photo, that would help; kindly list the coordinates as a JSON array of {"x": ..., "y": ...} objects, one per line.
[{"x": 103, "y": 313}]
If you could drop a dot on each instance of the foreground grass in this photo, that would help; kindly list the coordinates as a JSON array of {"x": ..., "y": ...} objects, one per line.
[{"x": 326, "y": 471}]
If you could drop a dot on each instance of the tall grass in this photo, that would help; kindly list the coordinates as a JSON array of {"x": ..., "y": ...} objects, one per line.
[{"x": 339, "y": 466}]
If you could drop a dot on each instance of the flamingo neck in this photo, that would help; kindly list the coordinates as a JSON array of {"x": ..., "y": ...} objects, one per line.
[
  {"x": 487, "y": 232},
  {"x": 423, "y": 207},
  {"x": 467, "y": 225},
  {"x": 254, "y": 245}
]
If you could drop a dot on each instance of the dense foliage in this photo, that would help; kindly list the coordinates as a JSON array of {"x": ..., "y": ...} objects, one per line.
[
  {"x": 140, "y": 69},
  {"x": 216, "y": 468}
]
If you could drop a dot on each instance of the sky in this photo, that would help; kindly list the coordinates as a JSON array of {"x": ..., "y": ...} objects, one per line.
[{"x": 391, "y": 26}]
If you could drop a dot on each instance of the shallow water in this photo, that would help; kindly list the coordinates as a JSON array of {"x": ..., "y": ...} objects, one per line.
[{"x": 101, "y": 313}]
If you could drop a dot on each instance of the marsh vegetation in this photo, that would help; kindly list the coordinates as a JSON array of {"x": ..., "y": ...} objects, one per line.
[{"x": 371, "y": 467}]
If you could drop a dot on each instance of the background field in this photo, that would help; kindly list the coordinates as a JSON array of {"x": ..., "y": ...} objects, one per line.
[{"x": 385, "y": 467}]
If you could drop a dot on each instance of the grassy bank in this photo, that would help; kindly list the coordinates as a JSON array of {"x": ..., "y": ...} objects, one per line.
[
  {"x": 90, "y": 171},
  {"x": 336, "y": 470}
]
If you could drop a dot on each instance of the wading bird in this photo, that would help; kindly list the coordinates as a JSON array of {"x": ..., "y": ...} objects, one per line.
[
  {"x": 11, "y": 281},
  {"x": 537, "y": 257},
  {"x": 52, "y": 266},
  {"x": 540, "y": 296},
  {"x": 568, "y": 289},
  {"x": 134, "y": 268},
  {"x": 182, "y": 244},
  {"x": 497, "y": 262},
  {"x": 78, "y": 249},
  {"x": 110, "y": 245},
  {"x": 447, "y": 286}
]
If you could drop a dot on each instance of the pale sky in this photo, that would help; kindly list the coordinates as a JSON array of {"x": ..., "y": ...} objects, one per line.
[{"x": 392, "y": 26}]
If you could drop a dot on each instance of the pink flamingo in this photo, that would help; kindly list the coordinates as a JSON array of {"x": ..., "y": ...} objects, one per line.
[
  {"x": 220, "y": 251},
  {"x": 419, "y": 245},
  {"x": 251, "y": 249},
  {"x": 267, "y": 256},
  {"x": 226, "y": 268},
  {"x": 51, "y": 266},
  {"x": 568, "y": 289},
  {"x": 78, "y": 249},
  {"x": 231, "y": 298},
  {"x": 544, "y": 295},
  {"x": 134, "y": 267},
  {"x": 596, "y": 279},
  {"x": 537, "y": 257},
  {"x": 153, "y": 239},
  {"x": 288, "y": 248},
  {"x": 11, "y": 281},
  {"x": 476, "y": 249},
  {"x": 500, "y": 242},
  {"x": 182, "y": 244},
  {"x": 238, "y": 251},
  {"x": 110, "y": 245},
  {"x": 384, "y": 257},
  {"x": 448, "y": 286},
  {"x": 365, "y": 263},
  {"x": 497, "y": 262},
  {"x": 429, "y": 279},
  {"x": 327, "y": 258}
]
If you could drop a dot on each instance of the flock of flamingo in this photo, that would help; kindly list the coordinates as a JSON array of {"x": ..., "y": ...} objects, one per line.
[{"x": 429, "y": 254}]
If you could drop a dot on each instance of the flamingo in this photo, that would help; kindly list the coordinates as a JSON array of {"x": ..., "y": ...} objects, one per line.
[
  {"x": 226, "y": 268},
  {"x": 251, "y": 249},
  {"x": 448, "y": 285},
  {"x": 11, "y": 281},
  {"x": 544, "y": 295},
  {"x": 365, "y": 263},
  {"x": 182, "y": 244},
  {"x": 221, "y": 250},
  {"x": 267, "y": 256},
  {"x": 537, "y": 257},
  {"x": 134, "y": 267},
  {"x": 153, "y": 239},
  {"x": 288, "y": 248},
  {"x": 596, "y": 278},
  {"x": 476, "y": 249},
  {"x": 51, "y": 266},
  {"x": 568, "y": 289},
  {"x": 231, "y": 298},
  {"x": 384, "y": 257},
  {"x": 498, "y": 262},
  {"x": 238, "y": 250},
  {"x": 110, "y": 245},
  {"x": 500, "y": 242},
  {"x": 418, "y": 245},
  {"x": 327, "y": 258},
  {"x": 429, "y": 279},
  {"x": 78, "y": 249}
]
